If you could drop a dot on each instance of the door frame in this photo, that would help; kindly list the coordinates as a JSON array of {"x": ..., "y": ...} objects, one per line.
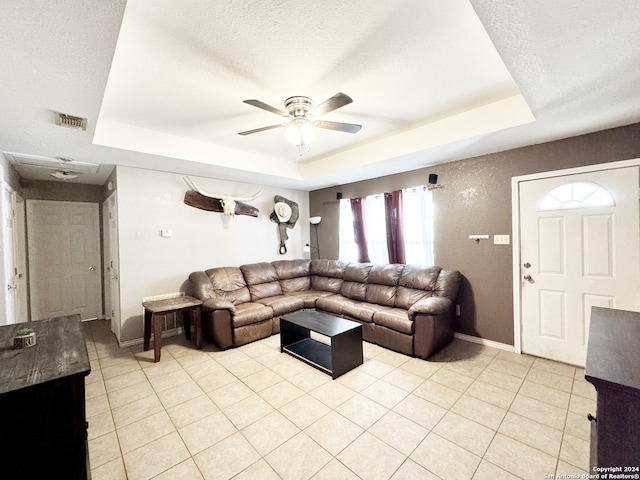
[
  {"x": 515, "y": 227},
  {"x": 111, "y": 263},
  {"x": 8, "y": 252}
]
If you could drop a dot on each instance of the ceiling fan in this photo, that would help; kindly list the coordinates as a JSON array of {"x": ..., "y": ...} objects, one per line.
[{"x": 300, "y": 130}]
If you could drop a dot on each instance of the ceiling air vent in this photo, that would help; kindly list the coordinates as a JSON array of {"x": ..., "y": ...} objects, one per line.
[{"x": 70, "y": 121}]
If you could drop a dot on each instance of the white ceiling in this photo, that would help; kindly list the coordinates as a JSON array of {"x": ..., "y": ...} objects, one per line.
[{"x": 162, "y": 82}]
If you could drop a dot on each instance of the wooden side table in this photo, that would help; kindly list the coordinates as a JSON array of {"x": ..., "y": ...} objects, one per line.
[{"x": 155, "y": 310}]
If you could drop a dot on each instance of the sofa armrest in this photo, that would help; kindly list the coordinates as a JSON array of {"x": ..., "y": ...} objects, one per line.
[
  {"x": 219, "y": 304},
  {"x": 431, "y": 306}
]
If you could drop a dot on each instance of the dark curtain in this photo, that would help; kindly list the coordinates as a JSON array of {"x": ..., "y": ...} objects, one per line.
[
  {"x": 395, "y": 227},
  {"x": 359, "y": 231}
]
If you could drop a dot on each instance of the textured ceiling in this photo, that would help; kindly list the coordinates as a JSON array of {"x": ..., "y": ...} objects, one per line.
[{"x": 162, "y": 82}]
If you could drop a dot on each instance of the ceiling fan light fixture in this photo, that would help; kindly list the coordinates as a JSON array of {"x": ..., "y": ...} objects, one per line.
[{"x": 300, "y": 131}]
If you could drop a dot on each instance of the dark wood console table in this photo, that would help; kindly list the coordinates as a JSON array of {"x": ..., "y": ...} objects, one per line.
[
  {"x": 613, "y": 367},
  {"x": 43, "y": 430}
]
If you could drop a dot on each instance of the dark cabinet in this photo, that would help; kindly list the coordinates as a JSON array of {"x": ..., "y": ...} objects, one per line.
[
  {"x": 43, "y": 430},
  {"x": 613, "y": 367}
]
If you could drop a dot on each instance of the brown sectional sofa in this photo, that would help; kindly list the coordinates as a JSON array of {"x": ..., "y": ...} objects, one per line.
[{"x": 407, "y": 308}]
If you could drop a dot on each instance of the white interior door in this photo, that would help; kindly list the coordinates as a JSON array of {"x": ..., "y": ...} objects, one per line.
[
  {"x": 580, "y": 247},
  {"x": 64, "y": 259}
]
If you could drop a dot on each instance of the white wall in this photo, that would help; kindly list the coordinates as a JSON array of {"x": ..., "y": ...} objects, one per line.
[{"x": 150, "y": 201}]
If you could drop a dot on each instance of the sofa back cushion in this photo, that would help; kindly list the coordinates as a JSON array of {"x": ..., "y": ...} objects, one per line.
[
  {"x": 228, "y": 283},
  {"x": 326, "y": 275},
  {"x": 354, "y": 283},
  {"x": 448, "y": 284},
  {"x": 262, "y": 280},
  {"x": 294, "y": 275},
  {"x": 382, "y": 284},
  {"x": 415, "y": 283}
]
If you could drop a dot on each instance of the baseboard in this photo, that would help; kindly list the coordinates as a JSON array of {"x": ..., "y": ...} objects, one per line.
[
  {"x": 131, "y": 343},
  {"x": 484, "y": 341},
  {"x": 138, "y": 341}
]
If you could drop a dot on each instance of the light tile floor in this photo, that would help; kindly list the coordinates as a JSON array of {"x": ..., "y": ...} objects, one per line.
[{"x": 470, "y": 412}]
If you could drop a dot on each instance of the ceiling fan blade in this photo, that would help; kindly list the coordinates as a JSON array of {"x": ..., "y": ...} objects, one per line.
[
  {"x": 256, "y": 130},
  {"x": 335, "y": 102},
  {"x": 339, "y": 126},
  {"x": 268, "y": 108}
]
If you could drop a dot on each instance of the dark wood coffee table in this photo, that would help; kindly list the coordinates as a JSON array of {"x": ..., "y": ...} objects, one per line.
[{"x": 343, "y": 353}]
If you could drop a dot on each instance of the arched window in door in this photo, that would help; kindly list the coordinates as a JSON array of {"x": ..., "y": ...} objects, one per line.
[{"x": 576, "y": 195}]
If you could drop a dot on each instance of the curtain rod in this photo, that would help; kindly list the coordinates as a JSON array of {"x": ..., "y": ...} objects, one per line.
[{"x": 340, "y": 197}]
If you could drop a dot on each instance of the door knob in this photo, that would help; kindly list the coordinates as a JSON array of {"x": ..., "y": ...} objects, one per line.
[
  {"x": 527, "y": 265},
  {"x": 91, "y": 269},
  {"x": 528, "y": 278}
]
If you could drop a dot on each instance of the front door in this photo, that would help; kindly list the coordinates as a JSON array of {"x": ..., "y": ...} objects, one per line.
[
  {"x": 580, "y": 247},
  {"x": 64, "y": 259}
]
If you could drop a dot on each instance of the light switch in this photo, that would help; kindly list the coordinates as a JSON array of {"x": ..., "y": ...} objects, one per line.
[
  {"x": 501, "y": 239},
  {"x": 166, "y": 233}
]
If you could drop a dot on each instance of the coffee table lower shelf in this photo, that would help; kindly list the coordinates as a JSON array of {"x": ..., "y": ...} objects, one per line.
[{"x": 313, "y": 352}]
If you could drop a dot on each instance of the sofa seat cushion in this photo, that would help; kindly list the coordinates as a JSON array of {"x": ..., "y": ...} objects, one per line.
[
  {"x": 359, "y": 310},
  {"x": 251, "y": 312},
  {"x": 309, "y": 297},
  {"x": 331, "y": 304},
  {"x": 395, "y": 319},
  {"x": 282, "y": 304}
]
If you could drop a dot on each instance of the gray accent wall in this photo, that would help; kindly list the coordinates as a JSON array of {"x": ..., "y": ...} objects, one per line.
[{"x": 476, "y": 199}]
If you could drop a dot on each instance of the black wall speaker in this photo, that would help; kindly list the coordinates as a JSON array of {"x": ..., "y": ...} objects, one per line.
[
  {"x": 339, "y": 196},
  {"x": 433, "y": 178}
]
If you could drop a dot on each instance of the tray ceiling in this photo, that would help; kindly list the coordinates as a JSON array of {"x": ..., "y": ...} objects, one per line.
[{"x": 162, "y": 82}]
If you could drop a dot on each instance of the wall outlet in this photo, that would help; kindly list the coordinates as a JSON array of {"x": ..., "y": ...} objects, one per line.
[{"x": 501, "y": 239}]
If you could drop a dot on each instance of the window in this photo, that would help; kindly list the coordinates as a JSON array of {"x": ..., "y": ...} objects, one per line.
[
  {"x": 376, "y": 229},
  {"x": 417, "y": 223},
  {"x": 576, "y": 195}
]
